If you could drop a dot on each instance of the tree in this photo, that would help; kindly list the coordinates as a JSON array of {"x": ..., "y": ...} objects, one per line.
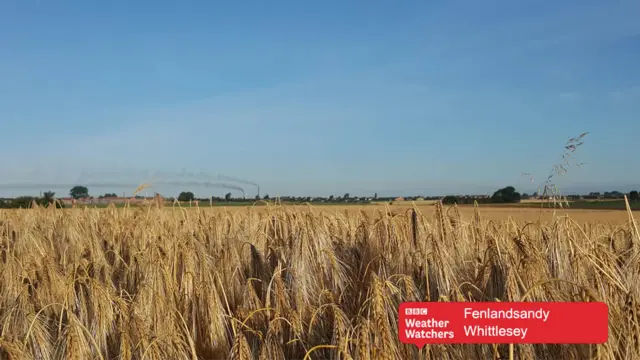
[
  {"x": 449, "y": 200},
  {"x": 48, "y": 197},
  {"x": 78, "y": 192},
  {"x": 634, "y": 196},
  {"x": 186, "y": 196},
  {"x": 506, "y": 195},
  {"x": 266, "y": 197},
  {"x": 227, "y": 196},
  {"x": 346, "y": 196}
]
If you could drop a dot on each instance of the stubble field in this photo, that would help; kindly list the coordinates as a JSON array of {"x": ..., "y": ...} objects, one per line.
[{"x": 295, "y": 282}]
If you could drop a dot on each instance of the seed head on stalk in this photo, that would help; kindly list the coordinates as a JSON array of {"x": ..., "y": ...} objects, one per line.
[{"x": 548, "y": 189}]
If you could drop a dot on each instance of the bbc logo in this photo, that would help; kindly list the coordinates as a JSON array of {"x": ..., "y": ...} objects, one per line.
[{"x": 415, "y": 311}]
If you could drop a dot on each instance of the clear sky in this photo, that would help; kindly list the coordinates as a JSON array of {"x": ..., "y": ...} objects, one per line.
[{"x": 324, "y": 97}]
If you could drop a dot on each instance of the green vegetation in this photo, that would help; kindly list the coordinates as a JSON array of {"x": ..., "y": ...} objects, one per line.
[
  {"x": 576, "y": 204},
  {"x": 504, "y": 197},
  {"x": 508, "y": 197},
  {"x": 186, "y": 196},
  {"x": 450, "y": 200},
  {"x": 28, "y": 201},
  {"x": 79, "y": 192},
  {"x": 604, "y": 205}
]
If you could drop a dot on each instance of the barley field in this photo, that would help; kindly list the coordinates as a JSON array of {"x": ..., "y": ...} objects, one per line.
[{"x": 293, "y": 283}]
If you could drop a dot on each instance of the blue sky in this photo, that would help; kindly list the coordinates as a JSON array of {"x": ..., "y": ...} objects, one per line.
[{"x": 402, "y": 97}]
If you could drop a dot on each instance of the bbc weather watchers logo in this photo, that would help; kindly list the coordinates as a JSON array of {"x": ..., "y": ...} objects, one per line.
[
  {"x": 416, "y": 311},
  {"x": 503, "y": 322}
]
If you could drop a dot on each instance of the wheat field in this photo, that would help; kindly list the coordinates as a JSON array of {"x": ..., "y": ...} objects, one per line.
[{"x": 292, "y": 283}]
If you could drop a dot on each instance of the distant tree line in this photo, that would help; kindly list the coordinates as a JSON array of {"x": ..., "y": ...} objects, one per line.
[
  {"x": 47, "y": 198},
  {"x": 25, "y": 202},
  {"x": 186, "y": 196},
  {"x": 510, "y": 195},
  {"x": 609, "y": 195},
  {"x": 505, "y": 195}
]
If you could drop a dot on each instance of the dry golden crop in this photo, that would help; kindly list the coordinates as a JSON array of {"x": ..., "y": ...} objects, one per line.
[{"x": 290, "y": 283}]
